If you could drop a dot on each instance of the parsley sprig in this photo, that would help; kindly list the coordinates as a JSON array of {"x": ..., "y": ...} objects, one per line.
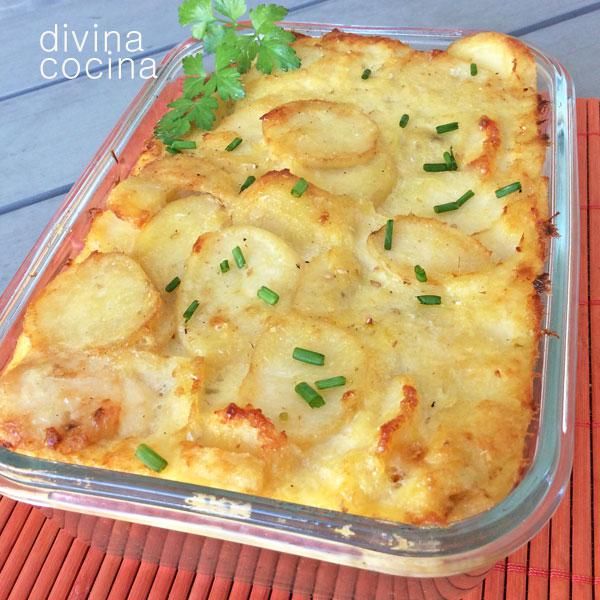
[{"x": 236, "y": 48}]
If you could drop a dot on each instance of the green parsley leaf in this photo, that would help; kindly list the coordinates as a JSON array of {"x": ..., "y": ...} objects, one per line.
[
  {"x": 233, "y": 9},
  {"x": 265, "y": 15},
  {"x": 193, "y": 87},
  {"x": 194, "y": 65},
  {"x": 275, "y": 52},
  {"x": 228, "y": 84},
  {"x": 198, "y": 14},
  {"x": 215, "y": 32},
  {"x": 203, "y": 114}
]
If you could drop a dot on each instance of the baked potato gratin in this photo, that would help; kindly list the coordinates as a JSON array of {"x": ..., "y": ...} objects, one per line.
[{"x": 328, "y": 299}]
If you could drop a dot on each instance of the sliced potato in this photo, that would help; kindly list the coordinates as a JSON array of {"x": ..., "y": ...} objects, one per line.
[
  {"x": 229, "y": 315},
  {"x": 310, "y": 224},
  {"x": 137, "y": 199},
  {"x": 440, "y": 249},
  {"x": 328, "y": 282},
  {"x": 100, "y": 302},
  {"x": 166, "y": 241},
  {"x": 70, "y": 401},
  {"x": 274, "y": 374},
  {"x": 107, "y": 234},
  {"x": 321, "y": 134},
  {"x": 501, "y": 54}
]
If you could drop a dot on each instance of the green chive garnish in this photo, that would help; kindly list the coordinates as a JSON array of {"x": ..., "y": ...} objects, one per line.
[
  {"x": 447, "y": 207},
  {"x": 283, "y": 416},
  {"x": 269, "y": 296},
  {"x": 389, "y": 234},
  {"x": 172, "y": 284},
  {"x": 448, "y": 160},
  {"x": 240, "y": 261},
  {"x": 447, "y": 127},
  {"x": 310, "y": 396},
  {"x": 466, "y": 196},
  {"x": 150, "y": 458},
  {"x": 473, "y": 69},
  {"x": 308, "y": 356},
  {"x": 436, "y": 167},
  {"x": 249, "y": 181},
  {"x": 508, "y": 189},
  {"x": 183, "y": 145},
  {"x": 235, "y": 142},
  {"x": 299, "y": 187},
  {"x": 224, "y": 266},
  {"x": 429, "y": 300},
  {"x": 190, "y": 310},
  {"x": 171, "y": 150},
  {"x": 324, "y": 384},
  {"x": 366, "y": 74},
  {"x": 420, "y": 274},
  {"x": 404, "y": 120}
]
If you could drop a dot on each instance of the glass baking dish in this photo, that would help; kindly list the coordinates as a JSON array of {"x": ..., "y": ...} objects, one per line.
[{"x": 469, "y": 546}]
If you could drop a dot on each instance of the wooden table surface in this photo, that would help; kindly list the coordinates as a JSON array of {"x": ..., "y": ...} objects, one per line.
[{"x": 51, "y": 128}]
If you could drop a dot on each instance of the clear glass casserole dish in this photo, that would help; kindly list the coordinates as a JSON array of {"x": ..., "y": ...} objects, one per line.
[{"x": 467, "y": 546}]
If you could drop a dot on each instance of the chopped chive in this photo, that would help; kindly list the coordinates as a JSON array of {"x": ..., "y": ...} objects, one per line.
[
  {"x": 310, "y": 396},
  {"x": 466, "y": 196},
  {"x": 190, "y": 310},
  {"x": 299, "y": 187},
  {"x": 420, "y": 274},
  {"x": 389, "y": 234},
  {"x": 447, "y": 127},
  {"x": 240, "y": 261},
  {"x": 447, "y": 207},
  {"x": 473, "y": 69},
  {"x": 235, "y": 142},
  {"x": 366, "y": 74},
  {"x": 404, "y": 120},
  {"x": 308, "y": 356},
  {"x": 172, "y": 284},
  {"x": 150, "y": 458},
  {"x": 269, "y": 296},
  {"x": 183, "y": 145},
  {"x": 436, "y": 167},
  {"x": 508, "y": 189},
  {"x": 283, "y": 416},
  {"x": 448, "y": 160},
  {"x": 171, "y": 150},
  {"x": 429, "y": 300},
  {"x": 331, "y": 382},
  {"x": 249, "y": 181},
  {"x": 224, "y": 266}
]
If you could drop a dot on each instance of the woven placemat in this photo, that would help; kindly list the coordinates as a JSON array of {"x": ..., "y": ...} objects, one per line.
[{"x": 69, "y": 556}]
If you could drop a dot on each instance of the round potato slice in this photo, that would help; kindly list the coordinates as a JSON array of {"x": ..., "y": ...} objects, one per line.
[
  {"x": 273, "y": 375},
  {"x": 229, "y": 314},
  {"x": 100, "y": 302},
  {"x": 166, "y": 241},
  {"x": 321, "y": 134},
  {"x": 440, "y": 249}
]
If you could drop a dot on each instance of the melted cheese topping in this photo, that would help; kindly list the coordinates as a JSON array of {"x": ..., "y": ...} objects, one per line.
[{"x": 430, "y": 424}]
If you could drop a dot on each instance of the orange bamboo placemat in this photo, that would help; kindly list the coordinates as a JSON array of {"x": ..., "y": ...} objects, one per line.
[{"x": 40, "y": 558}]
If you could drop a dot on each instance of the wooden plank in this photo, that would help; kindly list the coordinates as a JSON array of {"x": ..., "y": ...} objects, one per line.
[
  {"x": 516, "y": 580},
  {"x": 69, "y": 569},
  {"x": 52, "y": 564},
  {"x": 539, "y": 552},
  {"x": 18, "y": 232},
  {"x": 575, "y": 44}
]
